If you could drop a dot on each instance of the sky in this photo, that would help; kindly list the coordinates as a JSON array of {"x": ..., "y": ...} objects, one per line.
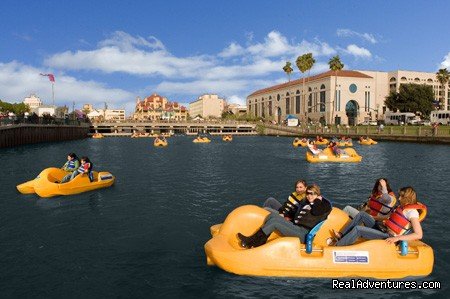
[{"x": 115, "y": 51}]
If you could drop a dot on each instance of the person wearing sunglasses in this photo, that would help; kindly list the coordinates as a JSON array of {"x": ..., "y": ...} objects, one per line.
[{"x": 312, "y": 210}]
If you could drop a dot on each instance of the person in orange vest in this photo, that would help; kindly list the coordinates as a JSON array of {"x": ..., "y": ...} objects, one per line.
[
  {"x": 380, "y": 203},
  {"x": 402, "y": 224}
]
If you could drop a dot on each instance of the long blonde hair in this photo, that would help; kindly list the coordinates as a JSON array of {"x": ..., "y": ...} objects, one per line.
[
  {"x": 314, "y": 188},
  {"x": 407, "y": 195}
]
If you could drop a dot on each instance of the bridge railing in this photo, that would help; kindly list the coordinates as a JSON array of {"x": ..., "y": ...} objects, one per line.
[{"x": 16, "y": 120}]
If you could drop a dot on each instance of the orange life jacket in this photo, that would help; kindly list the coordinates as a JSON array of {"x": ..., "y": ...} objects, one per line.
[
  {"x": 398, "y": 224},
  {"x": 377, "y": 208}
]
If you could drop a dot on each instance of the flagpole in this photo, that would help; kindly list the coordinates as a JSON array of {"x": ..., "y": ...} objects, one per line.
[{"x": 53, "y": 94}]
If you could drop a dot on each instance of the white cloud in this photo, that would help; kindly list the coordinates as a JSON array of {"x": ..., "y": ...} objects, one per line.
[
  {"x": 446, "y": 62},
  {"x": 358, "y": 51},
  {"x": 232, "y": 50},
  {"x": 349, "y": 33},
  {"x": 18, "y": 81},
  {"x": 121, "y": 54}
]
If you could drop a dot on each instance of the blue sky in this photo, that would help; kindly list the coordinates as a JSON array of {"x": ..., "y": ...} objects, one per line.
[{"x": 114, "y": 51}]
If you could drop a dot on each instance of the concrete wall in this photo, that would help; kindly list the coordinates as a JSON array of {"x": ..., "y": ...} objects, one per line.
[{"x": 11, "y": 136}]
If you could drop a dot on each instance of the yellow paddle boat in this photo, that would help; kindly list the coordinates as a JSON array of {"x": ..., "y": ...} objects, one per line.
[
  {"x": 227, "y": 138},
  {"x": 160, "y": 142},
  {"x": 287, "y": 257},
  {"x": 323, "y": 142},
  {"x": 345, "y": 143},
  {"x": 45, "y": 184},
  {"x": 326, "y": 155},
  {"x": 300, "y": 142},
  {"x": 97, "y": 136},
  {"x": 201, "y": 140},
  {"x": 368, "y": 141}
]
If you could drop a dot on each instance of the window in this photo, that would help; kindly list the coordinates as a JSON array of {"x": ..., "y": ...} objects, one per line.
[
  {"x": 310, "y": 99},
  {"x": 322, "y": 101},
  {"x": 270, "y": 106},
  {"x": 287, "y": 103},
  {"x": 297, "y": 102},
  {"x": 353, "y": 88}
]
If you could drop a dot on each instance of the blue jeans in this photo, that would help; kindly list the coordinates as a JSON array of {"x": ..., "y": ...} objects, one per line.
[
  {"x": 354, "y": 230},
  {"x": 272, "y": 205},
  {"x": 69, "y": 177},
  {"x": 275, "y": 222}
]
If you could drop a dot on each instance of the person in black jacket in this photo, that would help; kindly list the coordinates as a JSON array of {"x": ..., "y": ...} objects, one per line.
[{"x": 312, "y": 210}]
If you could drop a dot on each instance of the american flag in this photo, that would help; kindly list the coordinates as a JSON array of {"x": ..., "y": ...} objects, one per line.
[{"x": 51, "y": 77}]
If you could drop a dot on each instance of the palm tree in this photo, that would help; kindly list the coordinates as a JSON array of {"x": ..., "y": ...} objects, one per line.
[
  {"x": 288, "y": 69},
  {"x": 305, "y": 63},
  {"x": 335, "y": 65},
  {"x": 443, "y": 76}
]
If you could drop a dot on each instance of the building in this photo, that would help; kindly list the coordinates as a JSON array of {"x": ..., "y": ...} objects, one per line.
[
  {"x": 236, "y": 109},
  {"x": 156, "y": 107},
  {"x": 105, "y": 115},
  {"x": 208, "y": 105},
  {"x": 44, "y": 110},
  {"x": 32, "y": 101},
  {"x": 358, "y": 96}
]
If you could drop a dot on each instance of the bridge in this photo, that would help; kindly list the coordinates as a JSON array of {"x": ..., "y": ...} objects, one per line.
[{"x": 188, "y": 128}]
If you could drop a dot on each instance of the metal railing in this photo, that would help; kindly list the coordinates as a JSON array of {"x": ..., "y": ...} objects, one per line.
[{"x": 16, "y": 120}]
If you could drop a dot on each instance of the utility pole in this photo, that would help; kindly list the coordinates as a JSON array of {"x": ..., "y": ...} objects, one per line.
[{"x": 73, "y": 109}]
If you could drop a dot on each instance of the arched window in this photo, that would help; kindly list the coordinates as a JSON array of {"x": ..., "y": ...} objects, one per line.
[
  {"x": 287, "y": 103},
  {"x": 310, "y": 100},
  {"x": 416, "y": 79},
  {"x": 270, "y": 105},
  {"x": 403, "y": 78},
  {"x": 322, "y": 99},
  {"x": 322, "y": 86},
  {"x": 297, "y": 102},
  {"x": 278, "y": 97},
  {"x": 430, "y": 80},
  {"x": 392, "y": 79}
]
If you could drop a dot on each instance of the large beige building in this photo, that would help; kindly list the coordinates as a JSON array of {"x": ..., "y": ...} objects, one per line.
[
  {"x": 208, "y": 105},
  {"x": 156, "y": 107},
  {"x": 359, "y": 96}
]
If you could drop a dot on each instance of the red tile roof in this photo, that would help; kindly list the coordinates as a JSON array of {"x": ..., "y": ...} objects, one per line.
[{"x": 342, "y": 73}]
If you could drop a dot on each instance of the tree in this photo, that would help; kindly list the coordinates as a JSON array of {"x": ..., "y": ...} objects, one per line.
[
  {"x": 411, "y": 98},
  {"x": 443, "y": 76},
  {"x": 305, "y": 63},
  {"x": 16, "y": 108},
  {"x": 335, "y": 65},
  {"x": 288, "y": 69}
]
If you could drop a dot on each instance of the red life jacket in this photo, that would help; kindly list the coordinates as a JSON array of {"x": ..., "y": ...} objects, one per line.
[
  {"x": 377, "y": 208},
  {"x": 398, "y": 224}
]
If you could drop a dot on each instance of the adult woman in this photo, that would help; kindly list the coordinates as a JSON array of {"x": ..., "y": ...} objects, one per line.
[
  {"x": 392, "y": 229},
  {"x": 70, "y": 166},
  {"x": 313, "y": 209},
  {"x": 289, "y": 208},
  {"x": 380, "y": 203}
]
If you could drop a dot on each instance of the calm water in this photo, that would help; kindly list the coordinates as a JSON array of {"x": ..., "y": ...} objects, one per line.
[{"x": 144, "y": 236}]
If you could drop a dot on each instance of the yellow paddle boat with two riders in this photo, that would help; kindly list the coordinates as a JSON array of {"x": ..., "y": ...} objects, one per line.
[
  {"x": 201, "y": 140},
  {"x": 367, "y": 141},
  {"x": 300, "y": 142},
  {"x": 98, "y": 136},
  {"x": 46, "y": 184},
  {"x": 227, "y": 138},
  {"x": 160, "y": 142},
  {"x": 313, "y": 257},
  {"x": 326, "y": 155}
]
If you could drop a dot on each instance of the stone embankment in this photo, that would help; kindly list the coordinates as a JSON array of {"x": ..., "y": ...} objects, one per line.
[{"x": 20, "y": 134}]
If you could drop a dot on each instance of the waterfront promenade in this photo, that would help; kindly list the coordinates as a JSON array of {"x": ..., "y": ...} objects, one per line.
[{"x": 425, "y": 134}]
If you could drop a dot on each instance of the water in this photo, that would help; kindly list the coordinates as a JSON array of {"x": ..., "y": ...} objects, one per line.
[{"x": 144, "y": 236}]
